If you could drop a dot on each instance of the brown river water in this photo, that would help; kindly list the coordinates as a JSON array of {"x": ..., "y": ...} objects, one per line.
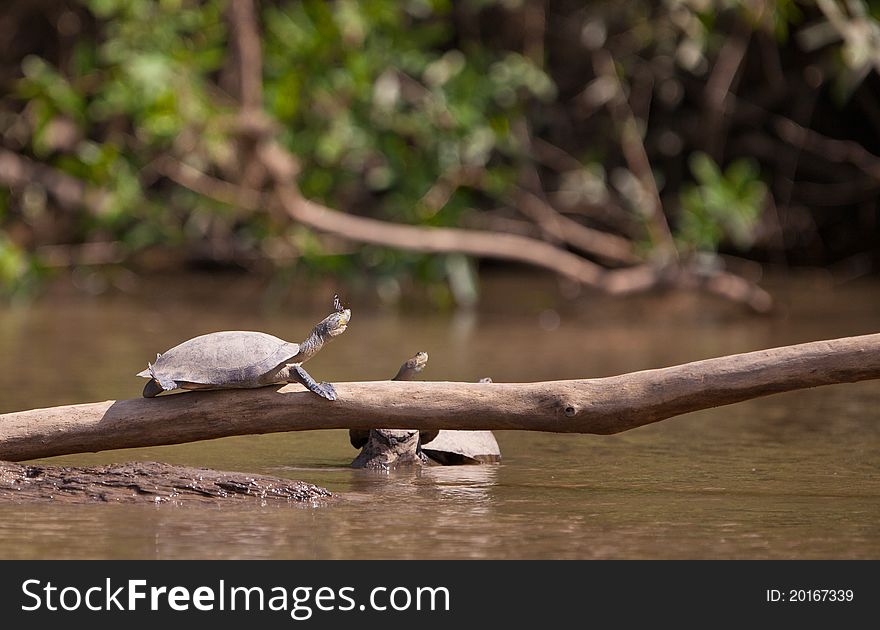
[{"x": 795, "y": 475}]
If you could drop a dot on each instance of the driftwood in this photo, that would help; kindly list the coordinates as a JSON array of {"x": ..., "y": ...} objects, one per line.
[
  {"x": 147, "y": 482},
  {"x": 601, "y": 406}
]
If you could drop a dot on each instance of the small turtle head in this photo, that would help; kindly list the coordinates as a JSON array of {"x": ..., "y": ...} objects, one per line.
[
  {"x": 335, "y": 323},
  {"x": 418, "y": 362}
]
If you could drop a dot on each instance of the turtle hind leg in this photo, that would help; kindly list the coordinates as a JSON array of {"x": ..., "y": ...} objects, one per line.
[
  {"x": 325, "y": 390},
  {"x": 152, "y": 388}
]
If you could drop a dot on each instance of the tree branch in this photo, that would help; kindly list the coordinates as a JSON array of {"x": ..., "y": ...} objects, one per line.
[
  {"x": 829, "y": 148},
  {"x": 600, "y": 406},
  {"x": 529, "y": 199},
  {"x": 243, "y": 19},
  {"x": 605, "y": 245},
  {"x": 478, "y": 243},
  {"x": 635, "y": 154},
  {"x": 211, "y": 187},
  {"x": 475, "y": 243},
  {"x": 719, "y": 86},
  {"x": 68, "y": 191}
]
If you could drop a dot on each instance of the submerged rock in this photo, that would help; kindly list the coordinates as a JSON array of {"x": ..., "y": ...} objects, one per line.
[{"x": 146, "y": 482}]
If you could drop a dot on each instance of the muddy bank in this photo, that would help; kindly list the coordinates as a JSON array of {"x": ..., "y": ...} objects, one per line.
[{"x": 146, "y": 482}]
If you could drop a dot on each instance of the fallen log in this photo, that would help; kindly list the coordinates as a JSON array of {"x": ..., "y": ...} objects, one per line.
[
  {"x": 147, "y": 482},
  {"x": 600, "y": 406}
]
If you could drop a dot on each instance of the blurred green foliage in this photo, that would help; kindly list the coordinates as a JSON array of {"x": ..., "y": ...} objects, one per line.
[
  {"x": 721, "y": 205},
  {"x": 368, "y": 94},
  {"x": 379, "y": 109},
  {"x": 19, "y": 272},
  {"x": 413, "y": 111}
]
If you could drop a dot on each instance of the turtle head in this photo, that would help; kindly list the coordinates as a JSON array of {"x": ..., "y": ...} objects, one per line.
[
  {"x": 331, "y": 326},
  {"x": 411, "y": 367},
  {"x": 386, "y": 449},
  {"x": 418, "y": 362},
  {"x": 334, "y": 324}
]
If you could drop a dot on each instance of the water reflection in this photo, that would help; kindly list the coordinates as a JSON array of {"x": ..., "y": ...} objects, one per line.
[{"x": 470, "y": 487}]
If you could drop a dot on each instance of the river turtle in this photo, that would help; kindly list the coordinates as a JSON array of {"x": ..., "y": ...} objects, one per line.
[
  {"x": 463, "y": 447},
  {"x": 235, "y": 359},
  {"x": 388, "y": 448}
]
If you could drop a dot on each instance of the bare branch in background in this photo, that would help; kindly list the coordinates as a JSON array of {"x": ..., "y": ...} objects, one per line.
[
  {"x": 439, "y": 240},
  {"x": 550, "y": 155},
  {"x": 97, "y": 253},
  {"x": 609, "y": 247},
  {"x": 253, "y": 124},
  {"x": 829, "y": 148},
  {"x": 635, "y": 155},
  {"x": 499, "y": 220},
  {"x": 441, "y": 192},
  {"x": 365, "y": 230},
  {"x": 211, "y": 187},
  {"x": 720, "y": 85},
  {"x": 69, "y": 192},
  {"x": 529, "y": 199},
  {"x": 534, "y": 30},
  {"x": 246, "y": 35},
  {"x": 477, "y": 243}
]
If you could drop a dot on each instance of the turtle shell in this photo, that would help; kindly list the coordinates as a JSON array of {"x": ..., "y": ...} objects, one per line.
[
  {"x": 463, "y": 447},
  {"x": 230, "y": 358}
]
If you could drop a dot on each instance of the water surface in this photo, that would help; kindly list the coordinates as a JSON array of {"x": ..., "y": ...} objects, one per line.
[{"x": 790, "y": 476}]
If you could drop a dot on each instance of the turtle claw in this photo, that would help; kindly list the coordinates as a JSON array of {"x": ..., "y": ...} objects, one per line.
[{"x": 326, "y": 390}]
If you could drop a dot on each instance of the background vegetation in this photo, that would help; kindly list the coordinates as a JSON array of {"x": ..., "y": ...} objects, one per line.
[{"x": 691, "y": 132}]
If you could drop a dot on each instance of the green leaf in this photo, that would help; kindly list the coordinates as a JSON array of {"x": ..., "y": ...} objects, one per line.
[{"x": 720, "y": 206}]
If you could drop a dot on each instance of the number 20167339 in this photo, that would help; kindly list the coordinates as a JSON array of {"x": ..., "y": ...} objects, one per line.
[{"x": 809, "y": 595}]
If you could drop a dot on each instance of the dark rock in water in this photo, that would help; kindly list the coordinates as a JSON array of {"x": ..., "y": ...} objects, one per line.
[{"x": 146, "y": 482}]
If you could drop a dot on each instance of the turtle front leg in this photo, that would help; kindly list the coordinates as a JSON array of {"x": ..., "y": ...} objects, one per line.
[{"x": 325, "y": 390}]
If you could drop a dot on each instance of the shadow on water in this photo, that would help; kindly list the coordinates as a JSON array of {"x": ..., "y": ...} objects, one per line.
[{"x": 790, "y": 476}]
